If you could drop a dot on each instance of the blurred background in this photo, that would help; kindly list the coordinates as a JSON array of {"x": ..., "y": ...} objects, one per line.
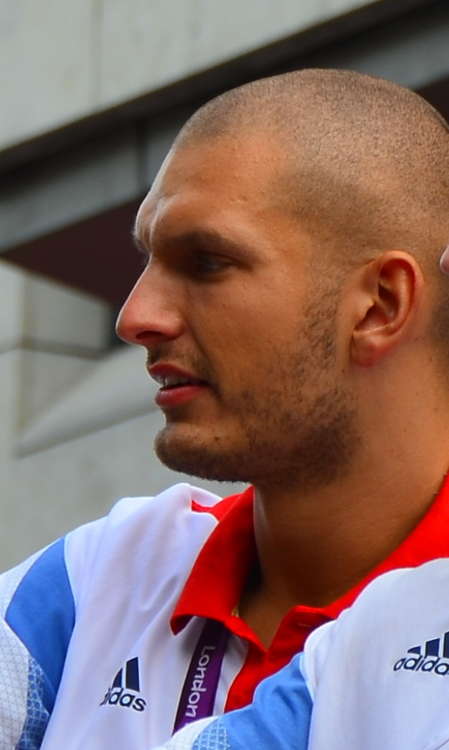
[{"x": 93, "y": 92}]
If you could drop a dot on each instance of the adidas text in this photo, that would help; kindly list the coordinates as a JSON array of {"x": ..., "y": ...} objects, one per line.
[
  {"x": 423, "y": 664},
  {"x": 118, "y": 697}
]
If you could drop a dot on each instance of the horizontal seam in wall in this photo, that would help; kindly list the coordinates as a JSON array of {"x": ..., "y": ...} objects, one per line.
[{"x": 49, "y": 347}]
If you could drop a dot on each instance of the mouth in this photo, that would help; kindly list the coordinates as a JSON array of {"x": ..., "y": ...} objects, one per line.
[{"x": 176, "y": 386}]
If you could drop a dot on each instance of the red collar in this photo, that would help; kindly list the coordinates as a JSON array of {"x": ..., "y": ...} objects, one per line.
[
  {"x": 218, "y": 576},
  {"x": 215, "y": 584}
]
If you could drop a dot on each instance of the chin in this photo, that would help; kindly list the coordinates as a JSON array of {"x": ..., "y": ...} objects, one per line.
[{"x": 183, "y": 451}]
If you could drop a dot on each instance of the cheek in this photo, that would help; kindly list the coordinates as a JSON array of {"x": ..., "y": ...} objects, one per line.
[
  {"x": 234, "y": 337},
  {"x": 243, "y": 329},
  {"x": 246, "y": 317}
]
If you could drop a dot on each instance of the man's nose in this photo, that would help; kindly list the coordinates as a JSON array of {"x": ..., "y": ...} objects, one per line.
[{"x": 151, "y": 313}]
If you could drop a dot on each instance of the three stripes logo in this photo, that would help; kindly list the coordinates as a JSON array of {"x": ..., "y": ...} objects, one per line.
[
  {"x": 433, "y": 657},
  {"x": 125, "y": 688}
]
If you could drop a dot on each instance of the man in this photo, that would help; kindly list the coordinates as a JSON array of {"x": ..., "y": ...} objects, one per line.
[{"x": 294, "y": 315}]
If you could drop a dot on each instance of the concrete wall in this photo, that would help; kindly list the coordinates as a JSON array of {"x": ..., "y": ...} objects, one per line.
[{"x": 63, "y": 60}]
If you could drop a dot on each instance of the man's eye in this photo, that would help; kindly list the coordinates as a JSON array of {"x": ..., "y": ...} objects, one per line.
[{"x": 206, "y": 263}]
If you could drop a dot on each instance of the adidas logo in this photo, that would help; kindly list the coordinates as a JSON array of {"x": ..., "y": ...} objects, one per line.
[
  {"x": 428, "y": 658},
  {"x": 126, "y": 679}
]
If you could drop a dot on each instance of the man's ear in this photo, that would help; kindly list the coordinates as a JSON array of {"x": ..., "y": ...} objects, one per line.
[{"x": 388, "y": 296}]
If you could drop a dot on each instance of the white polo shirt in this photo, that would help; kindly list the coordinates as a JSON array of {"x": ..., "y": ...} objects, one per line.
[{"x": 102, "y": 639}]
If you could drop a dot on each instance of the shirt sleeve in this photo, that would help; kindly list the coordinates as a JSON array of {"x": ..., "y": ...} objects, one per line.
[
  {"x": 36, "y": 621},
  {"x": 278, "y": 717}
]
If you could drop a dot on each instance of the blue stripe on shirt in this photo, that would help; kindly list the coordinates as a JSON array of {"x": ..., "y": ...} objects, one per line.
[{"x": 42, "y": 614}]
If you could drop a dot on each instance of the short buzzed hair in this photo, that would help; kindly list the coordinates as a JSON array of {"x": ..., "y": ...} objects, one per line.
[{"x": 366, "y": 163}]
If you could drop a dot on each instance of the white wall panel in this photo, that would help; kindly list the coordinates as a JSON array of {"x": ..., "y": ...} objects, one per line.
[
  {"x": 57, "y": 316},
  {"x": 156, "y": 43},
  {"x": 46, "y": 64}
]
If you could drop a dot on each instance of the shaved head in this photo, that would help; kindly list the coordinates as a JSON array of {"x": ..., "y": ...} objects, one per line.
[{"x": 366, "y": 165}]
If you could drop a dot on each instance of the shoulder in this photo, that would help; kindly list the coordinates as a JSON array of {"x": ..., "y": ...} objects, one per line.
[
  {"x": 402, "y": 599},
  {"x": 47, "y": 584},
  {"x": 400, "y": 606},
  {"x": 142, "y": 531},
  {"x": 150, "y": 522},
  {"x": 41, "y": 599},
  {"x": 137, "y": 530},
  {"x": 384, "y": 656}
]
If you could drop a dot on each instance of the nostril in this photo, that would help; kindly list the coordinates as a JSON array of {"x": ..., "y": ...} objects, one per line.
[{"x": 144, "y": 336}]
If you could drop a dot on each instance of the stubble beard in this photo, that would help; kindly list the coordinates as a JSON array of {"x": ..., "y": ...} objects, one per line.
[{"x": 289, "y": 432}]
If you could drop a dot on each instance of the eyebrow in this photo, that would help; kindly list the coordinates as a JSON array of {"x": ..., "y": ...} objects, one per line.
[{"x": 201, "y": 239}]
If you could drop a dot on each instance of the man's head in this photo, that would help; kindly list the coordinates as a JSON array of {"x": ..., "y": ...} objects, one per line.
[{"x": 291, "y": 232}]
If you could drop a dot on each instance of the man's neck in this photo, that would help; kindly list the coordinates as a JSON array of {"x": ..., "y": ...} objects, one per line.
[{"x": 314, "y": 546}]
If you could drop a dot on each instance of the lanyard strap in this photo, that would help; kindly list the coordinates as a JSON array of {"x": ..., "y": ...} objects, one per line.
[{"x": 201, "y": 683}]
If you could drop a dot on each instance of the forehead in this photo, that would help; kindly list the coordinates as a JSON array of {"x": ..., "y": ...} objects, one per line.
[{"x": 211, "y": 179}]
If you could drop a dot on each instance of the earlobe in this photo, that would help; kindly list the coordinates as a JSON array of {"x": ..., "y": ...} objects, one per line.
[{"x": 389, "y": 293}]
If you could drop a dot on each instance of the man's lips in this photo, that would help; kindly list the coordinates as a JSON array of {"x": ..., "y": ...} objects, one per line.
[{"x": 177, "y": 386}]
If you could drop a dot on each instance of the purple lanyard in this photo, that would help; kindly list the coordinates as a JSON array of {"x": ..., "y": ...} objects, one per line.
[{"x": 201, "y": 683}]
